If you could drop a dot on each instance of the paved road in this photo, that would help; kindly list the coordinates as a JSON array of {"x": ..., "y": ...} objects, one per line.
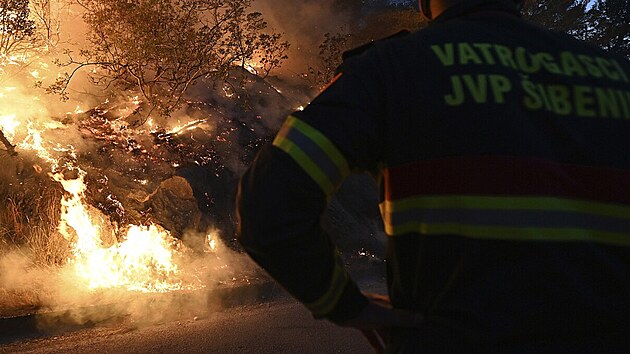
[{"x": 281, "y": 326}]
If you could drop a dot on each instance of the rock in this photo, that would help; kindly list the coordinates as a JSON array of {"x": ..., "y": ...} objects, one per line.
[{"x": 173, "y": 206}]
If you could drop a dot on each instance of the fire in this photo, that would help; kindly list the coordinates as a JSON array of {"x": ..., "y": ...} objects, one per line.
[
  {"x": 142, "y": 261},
  {"x": 8, "y": 125},
  {"x": 131, "y": 257},
  {"x": 35, "y": 142},
  {"x": 186, "y": 127},
  {"x": 143, "y": 258},
  {"x": 211, "y": 242}
]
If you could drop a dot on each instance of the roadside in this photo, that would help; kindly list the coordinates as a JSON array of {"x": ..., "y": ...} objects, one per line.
[
  {"x": 151, "y": 309},
  {"x": 278, "y": 326}
]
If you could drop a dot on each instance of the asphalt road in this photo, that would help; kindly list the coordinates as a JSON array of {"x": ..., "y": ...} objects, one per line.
[{"x": 280, "y": 326}]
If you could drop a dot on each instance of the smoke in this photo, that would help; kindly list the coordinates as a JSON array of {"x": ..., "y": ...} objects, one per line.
[
  {"x": 304, "y": 24},
  {"x": 210, "y": 272}
]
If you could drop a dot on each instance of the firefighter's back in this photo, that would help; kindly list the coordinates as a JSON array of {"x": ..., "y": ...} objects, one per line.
[{"x": 507, "y": 186}]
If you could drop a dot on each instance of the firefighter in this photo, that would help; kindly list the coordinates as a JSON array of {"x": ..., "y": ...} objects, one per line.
[{"x": 503, "y": 153}]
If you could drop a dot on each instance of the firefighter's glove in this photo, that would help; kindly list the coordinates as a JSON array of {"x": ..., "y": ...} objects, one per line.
[{"x": 378, "y": 317}]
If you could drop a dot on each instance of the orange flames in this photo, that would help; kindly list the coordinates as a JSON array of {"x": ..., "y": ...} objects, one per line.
[{"x": 143, "y": 259}]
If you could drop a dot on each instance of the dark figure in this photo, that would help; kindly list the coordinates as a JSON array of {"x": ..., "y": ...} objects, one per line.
[{"x": 503, "y": 149}]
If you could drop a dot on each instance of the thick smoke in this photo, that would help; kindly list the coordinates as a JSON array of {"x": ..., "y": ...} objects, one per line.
[
  {"x": 304, "y": 24},
  {"x": 209, "y": 272}
]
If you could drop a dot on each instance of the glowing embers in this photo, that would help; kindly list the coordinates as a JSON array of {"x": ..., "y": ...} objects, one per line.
[{"x": 186, "y": 127}]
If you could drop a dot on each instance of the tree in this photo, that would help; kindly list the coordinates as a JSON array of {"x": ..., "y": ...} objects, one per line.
[
  {"x": 376, "y": 24},
  {"x": 16, "y": 29},
  {"x": 330, "y": 52},
  {"x": 569, "y": 16},
  {"x": 46, "y": 16},
  {"x": 611, "y": 25},
  {"x": 161, "y": 47},
  {"x": 605, "y": 23}
]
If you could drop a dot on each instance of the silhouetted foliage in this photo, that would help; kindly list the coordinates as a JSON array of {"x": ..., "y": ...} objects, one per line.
[
  {"x": 16, "y": 29},
  {"x": 611, "y": 25},
  {"x": 161, "y": 47},
  {"x": 605, "y": 23},
  {"x": 377, "y": 24}
]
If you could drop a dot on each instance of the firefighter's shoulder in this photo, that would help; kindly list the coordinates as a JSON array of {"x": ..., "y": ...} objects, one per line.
[{"x": 364, "y": 47}]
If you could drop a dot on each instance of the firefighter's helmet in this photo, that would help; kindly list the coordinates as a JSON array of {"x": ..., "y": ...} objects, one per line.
[{"x": 425, "y": 5}]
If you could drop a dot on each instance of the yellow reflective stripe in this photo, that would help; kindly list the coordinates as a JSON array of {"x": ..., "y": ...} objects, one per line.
[
  {"x": 323, "y": 142},
  {"x": 317, "y": 155},
  {"x": 329, "y": 300},
  {"x": 510, "y": 233},
  {"x": 506, "y": 203},
  {"x": 307, "y": 164}
]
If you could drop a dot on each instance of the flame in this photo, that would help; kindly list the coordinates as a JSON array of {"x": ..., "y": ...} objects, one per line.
[
  {"x": 133, "y": 257},
  {"x": 8, "y": 125},
  {"x": 186, "y": 127},
  {"x": 211, "y": 241},
  {"x": 142, "y": 261},
  {"x": 251, "y": 67},
  {"x": 145, "y": 257},
  {"x": 35, "y": 142}
]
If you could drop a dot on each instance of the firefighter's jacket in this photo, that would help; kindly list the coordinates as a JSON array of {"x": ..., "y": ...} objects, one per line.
[{"x": 505, "y": 155}]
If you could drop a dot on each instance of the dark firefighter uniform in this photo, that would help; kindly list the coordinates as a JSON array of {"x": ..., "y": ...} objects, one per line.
[{"x": 504, "y": 151}]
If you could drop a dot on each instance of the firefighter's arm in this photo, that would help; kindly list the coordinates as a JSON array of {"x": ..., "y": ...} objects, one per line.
[{"x": 280, "y": 206}]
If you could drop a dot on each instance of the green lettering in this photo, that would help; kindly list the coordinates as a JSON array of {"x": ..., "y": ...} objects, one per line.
[
  {"x": 522, "y": 61},
  {"x": 559, "y": 97},
  {"x": 457, "y": 97},
  {"x": 478, "y": 87},
  {"x": 570, "y": 65},
  {"x": 545, "y": 96},
  {"x": 607, "y": 103},
  {"x": 500, "y": 86},
  {"x": 467, "y": 54},
  {"x": 620, "y": 70},
  {"x": 624, "y": 100},
  {"x": 548, "y": 62},
  {"x": 485, "y": 51},
  {"x": 532, "y": 100},
  {"x": 605, "y": 66},
  {"x": 592, "y": 69},
  {"x": 584, "y": 100},
  {"x": 505, "y": 56},
  {"x": 446, "y": 53}
]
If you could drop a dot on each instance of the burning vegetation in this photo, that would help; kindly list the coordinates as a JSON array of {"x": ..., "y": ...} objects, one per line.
[{"x": 123, "y": 184}]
